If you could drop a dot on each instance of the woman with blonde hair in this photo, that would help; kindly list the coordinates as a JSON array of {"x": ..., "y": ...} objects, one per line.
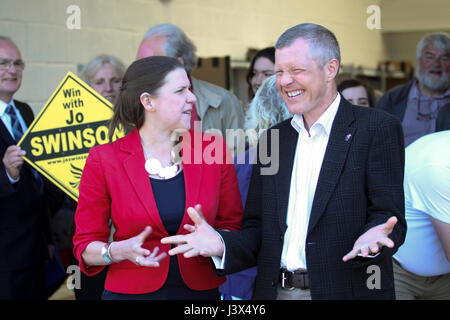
[
  {"x": 265, "y": 110},
  {"x": 104, "y": 74}
]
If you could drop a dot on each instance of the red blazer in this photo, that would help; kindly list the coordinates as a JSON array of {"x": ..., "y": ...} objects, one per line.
[{"x": 115, "y": 185}]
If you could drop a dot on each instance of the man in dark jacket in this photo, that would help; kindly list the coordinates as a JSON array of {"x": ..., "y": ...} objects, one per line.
[
  {"x": 26, "y": 198},
  {"x": 326, "y": 224}
]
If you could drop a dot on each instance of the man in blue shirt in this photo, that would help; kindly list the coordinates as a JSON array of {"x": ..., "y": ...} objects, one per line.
[{"x": 417, "y": 103}]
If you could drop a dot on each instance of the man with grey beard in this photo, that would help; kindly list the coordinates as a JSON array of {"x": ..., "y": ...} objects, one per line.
[{"x": 418, "y": 102}]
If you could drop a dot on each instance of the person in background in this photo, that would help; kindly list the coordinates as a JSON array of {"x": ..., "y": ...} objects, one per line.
[
  {"x": 357, "y": 92},
  {"x": 104, "y": 74},
  {"x": 443, "y": 118},
  {"x": 27, "y": 199},
  {"x": 217, "y": 108},
  {"x": 417, "y": 103},
  {"x": 140, "y": 184},
  {"x": 261, "y": 67},
  {"x": 422, "y": 263},
  {"x": 266, "y": 110}
]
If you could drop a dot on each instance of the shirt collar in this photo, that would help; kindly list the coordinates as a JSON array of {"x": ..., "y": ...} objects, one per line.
[
  {"x": 3, "y": 106},
  {"x": 415, "y": 93},
  {"x": 325, "y": 121}
]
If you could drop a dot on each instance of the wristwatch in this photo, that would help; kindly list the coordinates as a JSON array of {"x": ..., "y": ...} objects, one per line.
[{"x": 105, "y": 253}]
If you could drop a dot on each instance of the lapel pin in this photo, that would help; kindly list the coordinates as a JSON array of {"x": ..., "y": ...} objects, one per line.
[{"x": 347, "y": 137}]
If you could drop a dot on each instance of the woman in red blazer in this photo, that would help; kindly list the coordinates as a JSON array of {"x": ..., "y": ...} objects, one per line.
[{"x": 138, "y": 183}]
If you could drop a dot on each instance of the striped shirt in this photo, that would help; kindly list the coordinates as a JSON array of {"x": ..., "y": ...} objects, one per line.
[
  {"x": 421, "y": 113},
  {"x": 308, "y": 159}
]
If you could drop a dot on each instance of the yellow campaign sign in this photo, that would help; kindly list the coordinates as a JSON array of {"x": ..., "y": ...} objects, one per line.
[{"x": 73, "y": 120}]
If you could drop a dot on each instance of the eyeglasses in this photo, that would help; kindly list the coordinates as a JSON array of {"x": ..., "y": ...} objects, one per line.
[
  {"x": 422, "y": 116},
  {"x": 5, "y": 64}
]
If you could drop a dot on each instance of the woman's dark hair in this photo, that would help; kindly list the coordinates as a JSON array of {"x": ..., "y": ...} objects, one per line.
[
  {"x": 143, "y": 75},
  {"x": 351, "y": 83},
  {"x": 268, "y": 53}
]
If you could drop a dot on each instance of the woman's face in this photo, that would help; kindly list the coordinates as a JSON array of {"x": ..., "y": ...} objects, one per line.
[
  {"x": 107, "y": 82},
  {"x": 173, "y": 101},
  {"x": 262, "y": 69},
  {"x": 357, "y": 96}
]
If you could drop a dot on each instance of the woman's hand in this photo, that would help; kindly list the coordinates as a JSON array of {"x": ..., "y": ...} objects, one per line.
[{"x": 131, "y": 249}]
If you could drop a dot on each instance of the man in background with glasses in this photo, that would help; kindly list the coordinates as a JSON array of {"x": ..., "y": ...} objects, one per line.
[
  {"x": 26, "y": 199},
  {"x": 417, "y": 102}
]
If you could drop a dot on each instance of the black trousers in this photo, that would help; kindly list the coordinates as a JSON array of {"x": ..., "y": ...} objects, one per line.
[{"x": 26, "y": 284}]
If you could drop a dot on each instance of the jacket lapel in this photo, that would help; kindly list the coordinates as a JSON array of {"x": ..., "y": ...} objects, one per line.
[
  {"x": 192, "y": 181},
  {"x": 25, "y": 112},
  {"x": 401, "y": 100},
  {"x": 27, "y": 116},
  {"x": 341, "y": 137},
  {"x": 288, "y": 142},
  {"x": 134, "y": 166},
  {"x": 192, "y": 172},
  {"x": 5, "y": 135}
]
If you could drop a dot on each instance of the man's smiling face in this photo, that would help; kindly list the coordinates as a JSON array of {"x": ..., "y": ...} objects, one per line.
[
  {"x": 11, "y": 77},
  {"x": 301, "y": 81}
]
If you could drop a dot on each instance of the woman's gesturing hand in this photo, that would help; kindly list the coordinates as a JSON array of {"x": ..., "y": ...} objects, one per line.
[{"x": 131, "y": 249}]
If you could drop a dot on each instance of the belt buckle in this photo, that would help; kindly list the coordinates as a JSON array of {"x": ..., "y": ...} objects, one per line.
[{"x": 283, "y": 281}]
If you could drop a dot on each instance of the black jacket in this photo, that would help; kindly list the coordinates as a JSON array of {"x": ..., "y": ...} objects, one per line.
[
  {"x": 360, "y": 186},
  {"x": 395, "y": 100},
  {"x": 24, "y": 210}
]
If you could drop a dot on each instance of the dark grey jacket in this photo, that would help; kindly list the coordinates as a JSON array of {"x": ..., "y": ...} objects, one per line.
[
  {"x": 360, "y": 186},
  {"x": 395, "y": 100}
]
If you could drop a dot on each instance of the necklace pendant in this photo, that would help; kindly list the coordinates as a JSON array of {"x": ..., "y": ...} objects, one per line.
[{"x": 154, "y": 167}]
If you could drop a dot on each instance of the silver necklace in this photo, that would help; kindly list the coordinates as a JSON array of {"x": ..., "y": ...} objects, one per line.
[{"x": 153, "y": 167}]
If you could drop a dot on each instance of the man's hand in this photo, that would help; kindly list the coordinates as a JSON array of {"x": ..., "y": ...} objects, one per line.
[
  {"x": 13, "y": 161},
  {"x": 373, "y": 240},
  {"x": 202, "y": 240}
]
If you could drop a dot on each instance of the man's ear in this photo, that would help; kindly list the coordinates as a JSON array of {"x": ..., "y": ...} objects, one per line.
[
  {"x": 146, "y": 101},
  {"x": 332, "y": 68},
  {"x": 181, "y": 60}
]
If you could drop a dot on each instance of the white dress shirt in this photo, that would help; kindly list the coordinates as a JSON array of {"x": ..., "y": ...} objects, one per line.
[{"x": 308, "y": 159}]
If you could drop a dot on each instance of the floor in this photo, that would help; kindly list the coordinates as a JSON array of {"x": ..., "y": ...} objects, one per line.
[{"x": 63, "y": 293}]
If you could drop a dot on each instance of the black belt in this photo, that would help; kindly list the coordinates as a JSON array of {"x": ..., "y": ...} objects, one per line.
[{"x": 294, "y": 279}]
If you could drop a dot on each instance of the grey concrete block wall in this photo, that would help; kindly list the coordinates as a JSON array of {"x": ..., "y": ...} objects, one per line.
[{"x": 217, "y": 27}]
